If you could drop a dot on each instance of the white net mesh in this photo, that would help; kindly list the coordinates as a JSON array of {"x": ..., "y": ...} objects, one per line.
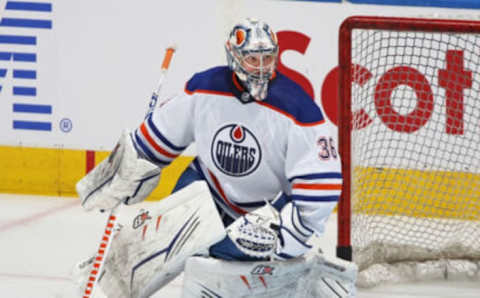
[{"x": 415, "y": 146}]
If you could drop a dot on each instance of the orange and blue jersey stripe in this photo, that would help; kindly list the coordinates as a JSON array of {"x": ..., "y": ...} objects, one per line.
[
  {"x": 320, "y": 187},
  {"x": 154, "y": 145}
]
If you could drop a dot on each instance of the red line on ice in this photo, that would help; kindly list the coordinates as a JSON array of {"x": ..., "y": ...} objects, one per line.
[{"x": 37, "y": 216}]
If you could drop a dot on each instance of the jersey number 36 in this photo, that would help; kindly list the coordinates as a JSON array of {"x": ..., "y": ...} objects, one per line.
[{"x": 327, "y": 148}]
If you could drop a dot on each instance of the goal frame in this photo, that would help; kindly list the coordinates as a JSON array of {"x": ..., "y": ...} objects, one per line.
[{"x": 344, "y": 247}]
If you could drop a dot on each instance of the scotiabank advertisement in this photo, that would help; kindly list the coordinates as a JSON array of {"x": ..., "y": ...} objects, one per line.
[{"x": 75, "y": 73}]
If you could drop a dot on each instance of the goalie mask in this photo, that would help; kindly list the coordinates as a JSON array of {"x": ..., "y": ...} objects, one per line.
[{"x": 252, "y": 51}]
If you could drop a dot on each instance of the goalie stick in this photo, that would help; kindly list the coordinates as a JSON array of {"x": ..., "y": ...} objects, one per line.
[{"x": 107, "y": 237}]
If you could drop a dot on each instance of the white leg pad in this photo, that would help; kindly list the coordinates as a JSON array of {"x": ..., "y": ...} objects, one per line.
[
  {"x": 311, "y": 276},
  {"x": 209, "y": 277},
  {"x": 154, "y": 242}
]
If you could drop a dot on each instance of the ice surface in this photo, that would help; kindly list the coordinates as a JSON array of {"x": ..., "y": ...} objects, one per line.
[{"x": 41, "y": 238}]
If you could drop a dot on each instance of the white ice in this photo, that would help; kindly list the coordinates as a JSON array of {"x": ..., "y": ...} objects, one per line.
[{"x": 41, "y": 238}]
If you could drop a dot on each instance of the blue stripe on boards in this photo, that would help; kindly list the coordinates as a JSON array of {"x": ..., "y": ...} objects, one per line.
[
  {"x": 24, "y": 74},
  {"x": 26, "y": 91},
  {"x": 32, "y": 108},
  {"x": 31, "y": 6},
  {"x": 5, "y": 56},
  {"x": 26, "y": 23},
  {"x": 18, "y": 39},
  {"x": 32, "y": 125},
  {"x": 25, "y": 57},
  {"x": 3, "y": 72}
]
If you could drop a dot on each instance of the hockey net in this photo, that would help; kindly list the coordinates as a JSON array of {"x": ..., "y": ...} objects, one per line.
[{"x": 409, "y": 134}]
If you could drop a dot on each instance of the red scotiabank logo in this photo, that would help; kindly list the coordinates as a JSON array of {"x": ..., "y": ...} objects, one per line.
[{"x": 453, "y": 78}]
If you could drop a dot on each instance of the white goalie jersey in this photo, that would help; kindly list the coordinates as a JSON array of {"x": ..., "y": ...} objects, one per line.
[{"x": 249, "y": 151}]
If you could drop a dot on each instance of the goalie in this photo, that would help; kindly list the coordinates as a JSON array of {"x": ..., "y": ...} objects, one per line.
[{"x": 266, "y": 178}]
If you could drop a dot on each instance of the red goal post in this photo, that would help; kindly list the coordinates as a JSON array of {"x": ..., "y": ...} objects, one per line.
[{"x": 409, "y": 137}]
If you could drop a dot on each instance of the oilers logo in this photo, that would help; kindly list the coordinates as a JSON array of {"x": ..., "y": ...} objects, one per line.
[{"x": 235, "y": 150}]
